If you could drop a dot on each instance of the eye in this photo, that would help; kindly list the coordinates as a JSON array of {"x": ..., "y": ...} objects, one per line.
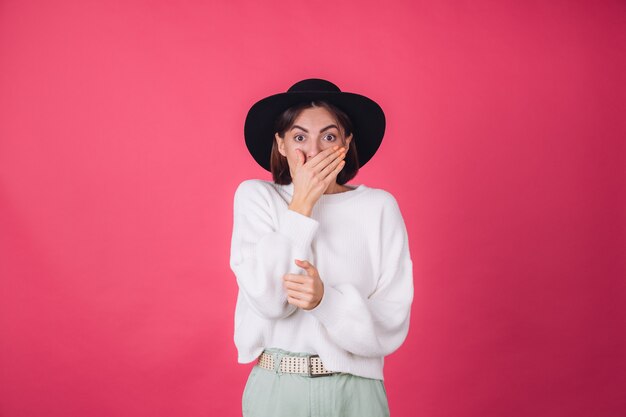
[
  {"x": 332, "y": 136},
  {"x": 297, "y": 136}
]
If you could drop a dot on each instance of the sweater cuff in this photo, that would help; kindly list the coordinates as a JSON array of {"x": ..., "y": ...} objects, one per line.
[
  {"x": 324, "y": 310},
  {"x": 300, "y": 229}
]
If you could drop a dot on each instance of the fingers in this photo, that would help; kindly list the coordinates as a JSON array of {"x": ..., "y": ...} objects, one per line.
[
  {"x": 325, "y": 157},
  {"x": 294, "y": 287},
  {"x": 300, "y": 154},
  {"x": 333, "y": 168},
  {"x": 297, "y": 286},
  {"x": 328, "y": 161},
  {"x": 301, "y": 301},
  {"x": 310, "y": 269},
  {"x": 339, "y": 167},
  {"x": 303, "y": 264},
  {"x": 297, "y": 278}
]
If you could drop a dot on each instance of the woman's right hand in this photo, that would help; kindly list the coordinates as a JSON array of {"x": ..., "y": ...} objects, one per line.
[{"x": 312, "y": 178}]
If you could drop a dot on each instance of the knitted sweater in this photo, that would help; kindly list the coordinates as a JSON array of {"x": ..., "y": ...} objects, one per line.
[{"x": 358, "y": 242}]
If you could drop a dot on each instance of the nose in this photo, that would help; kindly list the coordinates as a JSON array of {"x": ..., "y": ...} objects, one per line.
[{"x": 313, "y": 150}]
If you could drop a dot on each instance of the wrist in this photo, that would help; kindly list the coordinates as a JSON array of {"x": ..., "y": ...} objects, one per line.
[{"x": 301, "y": 208}]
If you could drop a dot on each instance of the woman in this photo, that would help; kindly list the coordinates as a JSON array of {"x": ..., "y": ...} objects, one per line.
[{"x": 323, "y": 268}]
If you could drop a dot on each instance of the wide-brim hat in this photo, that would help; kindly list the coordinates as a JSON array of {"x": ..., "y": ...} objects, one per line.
[{"x": 367, "y": 117}]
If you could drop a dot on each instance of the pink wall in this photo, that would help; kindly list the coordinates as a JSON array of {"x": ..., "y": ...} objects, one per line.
[{"x": 121, "y": 144}]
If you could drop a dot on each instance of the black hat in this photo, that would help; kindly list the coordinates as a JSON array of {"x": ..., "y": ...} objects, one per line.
[{"x": 367, "y": 117}]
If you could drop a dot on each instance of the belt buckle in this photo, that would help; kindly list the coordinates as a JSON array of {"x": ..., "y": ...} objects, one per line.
[{"x": 311, "y": 374}]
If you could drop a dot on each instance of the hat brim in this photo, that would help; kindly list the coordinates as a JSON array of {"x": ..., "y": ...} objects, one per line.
[{"x": 367, "y": 117}]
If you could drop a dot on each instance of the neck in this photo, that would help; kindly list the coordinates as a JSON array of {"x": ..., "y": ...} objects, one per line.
[{"x": 335, "y": 188}]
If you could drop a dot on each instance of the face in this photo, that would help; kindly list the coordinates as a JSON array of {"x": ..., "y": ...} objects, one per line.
[{"x": 313, "y": 131}]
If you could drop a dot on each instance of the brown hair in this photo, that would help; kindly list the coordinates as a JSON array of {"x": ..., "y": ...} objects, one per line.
[{"x": 278, "y": 163}]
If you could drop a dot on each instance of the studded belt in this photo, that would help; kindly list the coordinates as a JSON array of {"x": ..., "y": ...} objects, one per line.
[{"x": 310, "y": 365}]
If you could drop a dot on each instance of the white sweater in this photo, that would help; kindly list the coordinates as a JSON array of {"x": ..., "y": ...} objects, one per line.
[{"x": 358, "y": 242}]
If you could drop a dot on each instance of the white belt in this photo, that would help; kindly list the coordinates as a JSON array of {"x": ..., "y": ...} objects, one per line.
[{"x": 310, "y": 365}]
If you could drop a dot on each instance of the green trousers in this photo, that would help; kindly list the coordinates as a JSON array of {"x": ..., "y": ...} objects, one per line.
[{"x": 270, "y": 393}]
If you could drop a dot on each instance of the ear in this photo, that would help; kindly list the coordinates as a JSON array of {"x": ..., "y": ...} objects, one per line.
[
  {"x": 280, "y": 142},
  {"x": 348, "y": 140}
]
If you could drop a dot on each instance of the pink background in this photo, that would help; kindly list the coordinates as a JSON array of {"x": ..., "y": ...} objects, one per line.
[{"x": 121, "y": 145}]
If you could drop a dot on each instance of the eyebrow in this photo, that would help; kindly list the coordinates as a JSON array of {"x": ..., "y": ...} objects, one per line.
[{"x": 326, "y": 128}]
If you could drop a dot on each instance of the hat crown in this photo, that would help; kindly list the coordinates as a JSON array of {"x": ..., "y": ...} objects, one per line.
[{"x": 314, "y": 84}]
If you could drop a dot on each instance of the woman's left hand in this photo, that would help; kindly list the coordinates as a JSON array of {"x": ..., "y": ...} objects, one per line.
[{"x": 304, "y": 291}]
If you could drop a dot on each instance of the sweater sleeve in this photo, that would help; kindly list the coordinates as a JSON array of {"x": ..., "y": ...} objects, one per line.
[
  {"x": 378, "y": 324},
  {"x": 265, "y": 242}
]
